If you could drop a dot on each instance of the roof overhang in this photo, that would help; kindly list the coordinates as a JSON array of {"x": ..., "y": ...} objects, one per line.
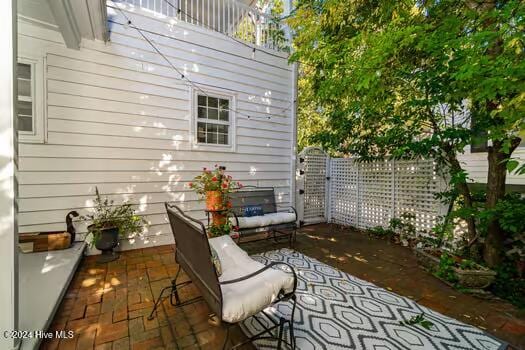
[{"x": 74, "y": 19}]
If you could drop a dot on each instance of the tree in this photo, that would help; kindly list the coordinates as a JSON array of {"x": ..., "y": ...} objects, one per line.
[{"x": 409, "y": 78}]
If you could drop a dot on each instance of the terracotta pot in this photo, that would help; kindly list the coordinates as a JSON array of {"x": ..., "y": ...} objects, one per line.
[
  {"x": 214, "y": 200},
  {"x": 218, "y": 218}
]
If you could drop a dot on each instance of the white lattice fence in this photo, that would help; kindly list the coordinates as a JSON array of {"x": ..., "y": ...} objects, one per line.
[
  {"x": 344, "y": 184},
  {"x": 416, "y": 182},
  {"x": 313, "y": 168},
  {"x": 366, "y": 195}
]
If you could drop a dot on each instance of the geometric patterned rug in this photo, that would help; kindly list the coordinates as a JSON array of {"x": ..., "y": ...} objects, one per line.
[{"x": 336, "y": 310}]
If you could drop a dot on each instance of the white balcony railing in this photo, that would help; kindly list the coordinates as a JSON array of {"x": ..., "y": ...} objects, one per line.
[{"x": 230, "y": 17}]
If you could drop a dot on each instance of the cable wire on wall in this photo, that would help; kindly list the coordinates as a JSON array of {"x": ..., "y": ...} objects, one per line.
[{"x": 184, "y": 77}]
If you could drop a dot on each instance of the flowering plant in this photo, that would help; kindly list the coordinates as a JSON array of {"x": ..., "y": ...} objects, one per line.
[
  {"x": 215, "y": 186},
  {"x": 214, "y": 180}
]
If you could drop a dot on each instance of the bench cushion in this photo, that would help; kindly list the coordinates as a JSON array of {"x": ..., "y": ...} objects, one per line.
[
  {"x": 264, "y": 220},
  {"x": 246, "y": 298}
]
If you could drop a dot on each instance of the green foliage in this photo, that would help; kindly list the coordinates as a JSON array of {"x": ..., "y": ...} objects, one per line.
[
  {"x": 509, "y": 284},
  {"x": 381, "y": 232},
  {"x": 511, "y": 213},
  {"x": 445, "y": 269},
  {"x": 391, "y": 75},
  {"x": 418, "y": 320},
  {"x": 442, "y": 233},
  {"x": 467, "y": 264},
  {"x": 220, "y": 230},
  {"x": 108, "y": 215},
  {"x": 400, "y": 229}
]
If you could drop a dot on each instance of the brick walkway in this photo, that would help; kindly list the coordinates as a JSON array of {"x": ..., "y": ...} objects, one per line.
[{"x": 107, "y": 305}]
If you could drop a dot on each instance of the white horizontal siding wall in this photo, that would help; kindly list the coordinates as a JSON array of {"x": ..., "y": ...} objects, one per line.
[
  {"x": 118, "y": 117},
  {"x": 476, "y": 164}
]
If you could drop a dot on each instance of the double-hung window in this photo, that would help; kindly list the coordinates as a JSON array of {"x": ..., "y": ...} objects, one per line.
[
  {"x": 30, "y": 109},
  {"x": 214, "y": 120}
]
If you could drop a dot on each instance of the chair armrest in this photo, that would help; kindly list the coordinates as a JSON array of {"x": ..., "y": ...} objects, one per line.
[
  {"x": 273, "y": 263},
  {"x": 236, "y": 218}
]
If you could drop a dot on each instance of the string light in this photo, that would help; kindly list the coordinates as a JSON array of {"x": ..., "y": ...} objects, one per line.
[
  {"x": 183, "y": 77},
  {"x": 217, "y": 31}
]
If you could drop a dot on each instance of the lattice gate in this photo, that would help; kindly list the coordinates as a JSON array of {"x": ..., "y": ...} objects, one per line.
[
  {"x": 312, "y": 174},
  {"x": 366, "y": 195}
]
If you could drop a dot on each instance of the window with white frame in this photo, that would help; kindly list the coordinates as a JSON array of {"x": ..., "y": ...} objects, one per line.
[
  {"x": 214, "y": 120},
  {"x": 30, "y": 122}
]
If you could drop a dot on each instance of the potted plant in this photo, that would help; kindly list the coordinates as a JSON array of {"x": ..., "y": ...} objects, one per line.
[
  {"x": 439, "y": 255},
  {"x": 108, "y": 223},
  {"x": 215, "y": 186}
]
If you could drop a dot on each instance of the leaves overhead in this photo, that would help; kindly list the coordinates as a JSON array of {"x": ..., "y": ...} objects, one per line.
[{"x": 404, "y": 78}]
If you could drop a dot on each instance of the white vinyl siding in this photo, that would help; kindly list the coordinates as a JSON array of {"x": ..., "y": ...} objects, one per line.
[{"x": 120, "y": 118}]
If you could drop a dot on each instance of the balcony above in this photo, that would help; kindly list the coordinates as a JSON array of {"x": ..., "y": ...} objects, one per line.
[{"x": 239, "y": 20}]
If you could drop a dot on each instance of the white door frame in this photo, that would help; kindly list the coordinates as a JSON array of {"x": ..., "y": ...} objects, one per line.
[{"x": 8, "y": 224}]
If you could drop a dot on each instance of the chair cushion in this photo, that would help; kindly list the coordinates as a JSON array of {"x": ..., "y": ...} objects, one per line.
[
  {"x": 264, "y": 220},
  {"x": 246, "y": 298}
]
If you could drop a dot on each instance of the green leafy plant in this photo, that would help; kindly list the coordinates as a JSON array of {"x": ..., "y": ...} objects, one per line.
[
  {"x": 509, "y": 284},
  {"x": 381, "y": 232},
  {"x": 399, "y": 229},
  {"x": 108, "y": 215},
  {"x": 220, "y": 230},
  {"x": 467, "y": 264},
  {"x": 445, "y": 269},
  {"x": 418, "y": 320}
]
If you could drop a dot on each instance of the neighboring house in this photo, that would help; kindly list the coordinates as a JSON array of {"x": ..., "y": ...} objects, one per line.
[
  {"x": 99, "y": 107},
  {"x": 475, "y": 162}
]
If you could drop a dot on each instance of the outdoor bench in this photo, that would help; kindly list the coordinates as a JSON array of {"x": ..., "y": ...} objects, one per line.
[
  {"x": 240, "y": 288},
  {"x": 254, "y": 210}
]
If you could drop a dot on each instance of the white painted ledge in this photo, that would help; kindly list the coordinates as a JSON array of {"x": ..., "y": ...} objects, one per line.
[{"x": 43, "y": 280}]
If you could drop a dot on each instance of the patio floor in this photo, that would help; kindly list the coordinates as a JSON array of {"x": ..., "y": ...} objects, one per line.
[{"x": 107, "y": 305}]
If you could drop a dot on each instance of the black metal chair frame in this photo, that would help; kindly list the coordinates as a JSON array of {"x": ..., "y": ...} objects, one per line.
[
  {"x": 267, "y": 201},
  {"x": 193, "y": 254}
]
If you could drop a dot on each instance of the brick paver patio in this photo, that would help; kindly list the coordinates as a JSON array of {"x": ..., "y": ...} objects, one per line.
[{"x": 107, "y": 305}]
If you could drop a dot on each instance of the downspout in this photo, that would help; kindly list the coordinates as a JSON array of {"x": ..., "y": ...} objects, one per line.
[
  {"x": 293, "y": 113},
  {"x": 288, "y": 6}
]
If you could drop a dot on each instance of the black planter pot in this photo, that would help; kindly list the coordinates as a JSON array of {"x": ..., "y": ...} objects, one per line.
[{"x": 107, "y": 241}]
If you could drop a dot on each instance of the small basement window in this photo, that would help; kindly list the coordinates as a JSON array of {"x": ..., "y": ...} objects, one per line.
[
  {"x": 213, "y": 120},
  {"x": 30, "y": 122}
]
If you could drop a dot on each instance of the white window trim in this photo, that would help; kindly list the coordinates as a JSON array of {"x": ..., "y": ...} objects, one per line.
[
  {"x": 38, "y": 94},
  {"x": 195, "y": 145}
]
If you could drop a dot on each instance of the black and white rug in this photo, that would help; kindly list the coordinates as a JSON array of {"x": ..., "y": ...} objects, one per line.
[{"x": 336, "y": 310}]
